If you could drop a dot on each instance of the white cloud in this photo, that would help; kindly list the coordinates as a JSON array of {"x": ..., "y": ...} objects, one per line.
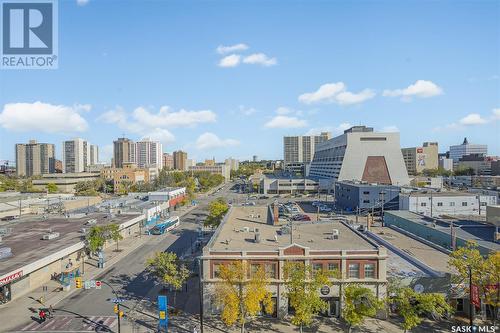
[
  {"x": 211, "y": 141},
  {"x": 232, "y": 60},
  {"x": 336, "y": 92},
  {"x": 43, "y": 117},
  {"x": 222, "y": 49},
  {"x": 472, "y": 119},
  {"x": 82, "y": 2},
  {"x": 106, "y": 153},
  {"x": 160, "y": 134},
  {"x": 281, "y": 121},
  {"x": 390, "y": 129},
  {"x": 165, "y": 117},
  {"x": 282, "y": 110},
  {"x": 496, "y": 114},
  {"x": 155, "y": 125},
  {"x": 337, "y": 130},
  {"x": 421, "y": 88},
  {"x": 246, "y": 111},
  {"x": 260, "y": 59}
]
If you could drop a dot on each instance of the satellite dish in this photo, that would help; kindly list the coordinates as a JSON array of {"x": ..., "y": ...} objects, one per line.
[{"x": 418, "y": 288}]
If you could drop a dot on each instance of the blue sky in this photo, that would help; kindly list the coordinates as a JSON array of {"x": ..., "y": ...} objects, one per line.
[{"x": 429, "y": 69}]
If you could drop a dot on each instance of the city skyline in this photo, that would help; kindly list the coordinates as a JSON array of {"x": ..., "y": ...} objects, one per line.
[{"x": 206, "y": 76}]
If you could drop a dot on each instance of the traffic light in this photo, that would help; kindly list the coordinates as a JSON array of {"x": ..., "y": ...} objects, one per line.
[
  {"x": 121, "y": 314},
  {"x": 115, "y": 309},
  {"x": 78, "y": 283}
]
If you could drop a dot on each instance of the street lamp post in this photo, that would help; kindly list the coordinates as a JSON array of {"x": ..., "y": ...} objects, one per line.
[
  {"x": 200, "y": 286},
  {"x": 471, "y": 319}
]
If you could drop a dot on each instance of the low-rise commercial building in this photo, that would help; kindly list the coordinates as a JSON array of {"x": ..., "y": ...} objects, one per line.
[
  {"x": 447, "y": 233},
  {"x": 351, "y": 196},
  {"x": 446, "y": 163},
  {"x": 435, "y": 183},
  {"x": 480, "y": 164},
  {"x": 218, "y": 169},
  {"x": 65, "y": 182},
  {"x": 252, "y": 235},
  {"x": 446, "y": 203},
  {"x": 270, "y": 184},
  {"x": 36, "y": 249}
]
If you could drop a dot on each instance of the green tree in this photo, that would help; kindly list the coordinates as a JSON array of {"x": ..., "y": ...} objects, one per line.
[
  {"x": 464, "y": 171},
  {"x": 359, "y": 303},
  {"x": 114, "y": 233},
  {"x": 240, "y": 296},
  {"x": 86, "y": 188},
  {"x": 167, "y": 269},
  {"x": 52, "y": 188},
  {"x": 302, "y": 286},
  {"x": 413, "y": 306},
  {"x": 216, "y": 211},
  {"x": 96, "y": 238},
  {"x": 485, "y": 273}
]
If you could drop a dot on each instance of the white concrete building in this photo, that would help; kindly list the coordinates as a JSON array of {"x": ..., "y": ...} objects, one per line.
[
  {"x": 232, "y": 163},
  {"x": 149, "y": 153},
  {"x": 446, "y": 203},
  {"x": 78, "y": 154},
  {"x": 446, "y": 163},
  {"x": 284, "y": 185},
  {"x": 361, "y": 155}
]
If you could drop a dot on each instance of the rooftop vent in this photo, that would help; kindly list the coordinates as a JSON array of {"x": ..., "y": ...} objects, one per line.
[
  {"x": 257, "y": 238},
  {"x": 335, "y": 234},
  {"x": 49, "y": 236}
]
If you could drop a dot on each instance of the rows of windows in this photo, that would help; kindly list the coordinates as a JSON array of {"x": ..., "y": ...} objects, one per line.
[
  {"x": 451, "y": 204},
  {"x": 355, "y": 270}
]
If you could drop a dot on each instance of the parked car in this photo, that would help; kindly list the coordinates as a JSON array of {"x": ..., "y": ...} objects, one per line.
[
  {"x": 263, "y": 197},
  {"x": 325, "y": 209}
]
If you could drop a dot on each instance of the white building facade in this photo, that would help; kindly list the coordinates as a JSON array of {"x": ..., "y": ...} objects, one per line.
[
  {"x": 442, "y": 203},
  {"x": 78, "y": 154},
  {"x": 149, "y": 153},
  {"x": 361, "y": 155},
  {"x": 466, "y": 148}
]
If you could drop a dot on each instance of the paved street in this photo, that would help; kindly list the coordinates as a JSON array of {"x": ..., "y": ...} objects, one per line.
[{"x": 85, "y": 309}]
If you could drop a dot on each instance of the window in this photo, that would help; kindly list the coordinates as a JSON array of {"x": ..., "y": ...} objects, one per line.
[
  {"x": 366, "y": 192},
  {"x": 452, "y": 204},
  {"x": 484, "y": 203},
  {"x": 270, "y": 270},
  {"x": 317, "y": 267},
  {"x": 333, "y": 266},
  {"x": 369, "y": 271},
  {"x": 354, "y": 271},
  {"x": 423, "y": 204},
  {"x": 464, "y": 203},
  {"x": 366, "y": 201},
  {"x": 216, "y": 269},
  {"x": 440, "y": 204},
  {"x": 254, "y": 268}
]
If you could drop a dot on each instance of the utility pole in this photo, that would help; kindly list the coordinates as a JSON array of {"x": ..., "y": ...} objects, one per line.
[
  {"x": 200, "y": 286},
  {"x": 431, "y": 203},
  {"x": 471, "y": 319},
  {"x": 118, "y": 314}
]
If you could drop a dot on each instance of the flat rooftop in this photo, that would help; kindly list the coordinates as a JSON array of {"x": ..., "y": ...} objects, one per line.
[
  {"x": 25, "y": 236},
  {"x": 441, "y": 194},
  {"x": 315, "y": 235},
  {"x": 433, "y": 258},
  {"x": 482, "y": 233}
]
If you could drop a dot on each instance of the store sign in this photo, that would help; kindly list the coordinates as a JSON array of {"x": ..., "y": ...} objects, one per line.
[
  {"x": 11, "y": 278},
  {"x": 325, "y": 290},
  {"x": 475, "y": 296}
]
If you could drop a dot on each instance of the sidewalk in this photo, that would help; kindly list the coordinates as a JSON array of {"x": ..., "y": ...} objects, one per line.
[{"x": 20, "y": 310}]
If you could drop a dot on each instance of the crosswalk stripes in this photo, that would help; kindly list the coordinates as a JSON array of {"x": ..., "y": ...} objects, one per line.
[{"x": 71, "y": 324}]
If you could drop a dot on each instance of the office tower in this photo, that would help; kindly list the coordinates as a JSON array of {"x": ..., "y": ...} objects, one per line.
[
  {"x": 232, "y": 163},
  {"x": 149, "y": 153},
  {"x": 466, "y": 148},
  {"x": 34, "y": 158},
  {"x": 168, "y": 161},
  {"x": 77, "y": 155},
  {"x": 363, "y": 155},
  {"x": 123, "y": 152},
  {"x": 298, "y": 151},
  {"x": 180, "y": 158}
]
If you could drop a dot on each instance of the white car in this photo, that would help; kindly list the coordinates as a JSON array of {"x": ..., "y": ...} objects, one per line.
[{"x": 325, "y": 209}]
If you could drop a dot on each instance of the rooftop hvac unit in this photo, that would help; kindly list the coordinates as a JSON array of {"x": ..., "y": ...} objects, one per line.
[
  {"x": 50, "y": 236},
  {"x": 91, "y": 222},
  {"x": 335, "y": 234},
  {"x": 257, "y": 238}
]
